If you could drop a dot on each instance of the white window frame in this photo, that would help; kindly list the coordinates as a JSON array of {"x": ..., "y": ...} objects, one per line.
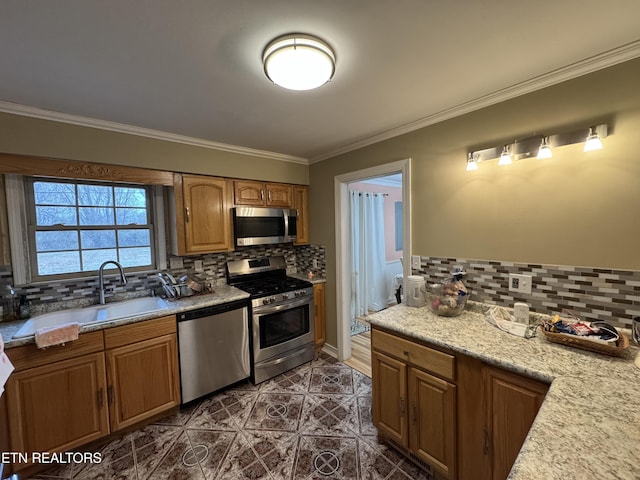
[{"x": 20, "y": 239}]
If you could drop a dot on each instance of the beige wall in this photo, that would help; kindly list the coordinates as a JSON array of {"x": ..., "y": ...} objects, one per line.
[
  {"x": 44, "y": 138},
  {"x": 575, "y": 209}
]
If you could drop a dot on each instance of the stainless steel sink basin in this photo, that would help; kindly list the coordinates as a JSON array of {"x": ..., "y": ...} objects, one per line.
[{"x": 93, "y": 314}]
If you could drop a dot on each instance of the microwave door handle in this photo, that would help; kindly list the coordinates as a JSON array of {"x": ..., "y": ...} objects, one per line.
[{"x": 286, "y": 224}]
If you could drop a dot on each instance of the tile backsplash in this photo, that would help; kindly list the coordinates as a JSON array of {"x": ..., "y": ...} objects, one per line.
[
  {"x": 84, "y": 291},
  {"x": 609, "y": 295}
]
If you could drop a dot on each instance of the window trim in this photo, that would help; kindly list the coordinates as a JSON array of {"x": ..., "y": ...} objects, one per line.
[{"x": 22, "y": 247}]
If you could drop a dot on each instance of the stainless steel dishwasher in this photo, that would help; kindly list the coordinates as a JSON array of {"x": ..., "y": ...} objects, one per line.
[{"x": 213, "y": 348}]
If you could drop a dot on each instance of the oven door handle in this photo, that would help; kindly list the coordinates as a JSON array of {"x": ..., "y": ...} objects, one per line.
[
  {"x": 277, "y": 361},
  {"x": 266, "y": 309}
]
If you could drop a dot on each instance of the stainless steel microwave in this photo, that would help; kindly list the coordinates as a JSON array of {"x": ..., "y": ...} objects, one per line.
[{"x": 263, "y": 226}]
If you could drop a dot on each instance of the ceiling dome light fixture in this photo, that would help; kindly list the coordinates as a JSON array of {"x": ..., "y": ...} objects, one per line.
[{"x": 299, "y": 61}]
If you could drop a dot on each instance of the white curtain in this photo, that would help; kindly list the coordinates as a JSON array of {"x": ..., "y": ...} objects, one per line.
[{"x": 368, "y": 289}]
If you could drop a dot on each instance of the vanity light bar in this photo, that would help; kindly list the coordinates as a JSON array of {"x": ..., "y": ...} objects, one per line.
[{"x": 530, "y": 147}]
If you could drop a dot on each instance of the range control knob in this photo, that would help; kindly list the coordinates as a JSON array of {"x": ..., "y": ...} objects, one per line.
[{"x": 285, "y": 296}]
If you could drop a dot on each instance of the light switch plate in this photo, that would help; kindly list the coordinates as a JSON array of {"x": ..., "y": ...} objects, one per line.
[
  {"x": 520, "y": 283},
  {"x": 197, "y": 265},
  {"x": 415, "y": 262}
]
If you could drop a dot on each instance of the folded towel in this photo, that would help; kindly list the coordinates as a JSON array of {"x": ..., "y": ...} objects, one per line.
[{"x": 58, "y": 335}]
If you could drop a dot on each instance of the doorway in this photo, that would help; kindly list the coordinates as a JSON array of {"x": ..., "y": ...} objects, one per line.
[{"x": 400, "y": 171}]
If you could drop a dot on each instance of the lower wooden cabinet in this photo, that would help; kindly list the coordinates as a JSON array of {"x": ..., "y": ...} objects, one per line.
[
  {"x": 58, "y": 406},
  {"x": 319, "y": 314},
  {"x": 412, "y": 407},
  {"x": 466, "y": 419},
  {"x": 512, "y": 404},
  {"x": 142, "y": 370},
  {"x": 70, "y": 395}
]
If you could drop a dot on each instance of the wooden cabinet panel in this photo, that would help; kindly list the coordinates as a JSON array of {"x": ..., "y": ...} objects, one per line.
[
  {"x": 59, "y": 406},
  {"x": 319, "y": 314},
  {"x": 427, "y": 358},
  {"x": 201, "y": 211},
  {"x": 512, "y": 404},
  {"x": 143, "y": 380},
  {"x": 433, "y": 426},
  {"x": 301, "y": 204},
  {"x": 139, "y": 331},
  {"x": 279, "y": 195},
  {"x": 389, "y": 401},
  {"x": 261, "y": 194}
]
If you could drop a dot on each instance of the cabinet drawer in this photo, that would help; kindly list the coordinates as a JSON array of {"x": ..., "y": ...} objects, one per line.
[
  {"x": 137, "y": 332},
  {"x": 29, "y": 356},
  {"x": 426, "y": 358}
]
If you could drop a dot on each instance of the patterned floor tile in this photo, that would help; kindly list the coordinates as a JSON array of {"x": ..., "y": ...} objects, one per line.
[
  {"x": 313, "y": 422},
  {"x": 331, "y": 379},
  {"x": 276, "y": 411},
  {"x": 326, "y": 457}
]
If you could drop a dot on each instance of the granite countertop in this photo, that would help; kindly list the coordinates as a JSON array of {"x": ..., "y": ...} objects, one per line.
[
  {"x": 588, "y": 424},
  {"x": 303, "y": 276},
  {"x": 221, "y": 294}
]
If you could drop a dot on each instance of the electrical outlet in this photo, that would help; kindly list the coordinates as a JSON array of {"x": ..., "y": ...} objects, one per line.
[
  {"x": 176, "y": 263},
  {"x": 520, "y": 283},
  {"x": 415, "y": 262},
  {"x": 314, "y": 263},
  {"x": 197, "y": 265}
]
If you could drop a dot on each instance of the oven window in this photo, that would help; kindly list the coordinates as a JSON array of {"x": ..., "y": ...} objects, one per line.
[{"x": 280, "y": 327}]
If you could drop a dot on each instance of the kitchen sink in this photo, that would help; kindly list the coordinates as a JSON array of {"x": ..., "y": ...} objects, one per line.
[{"x": 93, "y": 314}]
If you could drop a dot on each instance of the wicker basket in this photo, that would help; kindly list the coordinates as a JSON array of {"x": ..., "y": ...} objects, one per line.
[{"x": 575, "y": 341}]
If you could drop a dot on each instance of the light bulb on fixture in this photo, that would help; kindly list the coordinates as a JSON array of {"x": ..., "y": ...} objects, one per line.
[
  {"x": 505, "y": 158},
  {"x": 299, "y": 62},
  {"x": 545, "y": 149},
  {"x": 593, "y": 141},
  {"x": 472, "y": 163}
]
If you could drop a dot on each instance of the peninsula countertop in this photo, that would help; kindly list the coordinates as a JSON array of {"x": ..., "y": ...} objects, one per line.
[{"x": 589, "y": 424}]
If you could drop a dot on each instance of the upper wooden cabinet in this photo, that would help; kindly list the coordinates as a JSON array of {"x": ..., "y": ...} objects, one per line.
[
  {"x": 202, "y": 216},
  {"x": 263, "y": 194},
  {"x": 301, "y": 203}
]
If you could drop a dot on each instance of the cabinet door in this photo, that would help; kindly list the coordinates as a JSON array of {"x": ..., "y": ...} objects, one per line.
[
  {"x": 59, "y": 406},
  {"x": 512, "y": 405},
  {"x": 389, "y": 397},
  {"x": 433, "y": 426},
  {"x": 206, "y": 215},
  {"x": 279, "y": 195},
  {"x": 143, "y": 380},
  {"x": 249, "y": 193},
  {"x": 319, "y": 314},
  {"x": 301, "y": 203}
]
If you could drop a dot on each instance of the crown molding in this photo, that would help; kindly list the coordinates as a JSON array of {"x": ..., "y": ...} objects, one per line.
[
  {"x": 583, "y": 67},
  {"x": 44, "y": 114}
]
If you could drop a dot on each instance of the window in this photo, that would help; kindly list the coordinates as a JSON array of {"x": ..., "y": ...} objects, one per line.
[{"x": 75, "y": 226}]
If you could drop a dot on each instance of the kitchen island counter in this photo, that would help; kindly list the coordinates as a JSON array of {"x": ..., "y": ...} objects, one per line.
[{"x": 588, "y": 424}]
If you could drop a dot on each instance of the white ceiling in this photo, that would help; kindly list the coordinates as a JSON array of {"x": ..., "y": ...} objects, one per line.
[{"x": 193, "y": 68}]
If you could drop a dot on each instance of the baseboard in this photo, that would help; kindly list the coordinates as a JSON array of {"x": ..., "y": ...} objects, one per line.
[{"x": 330, "y": 350}]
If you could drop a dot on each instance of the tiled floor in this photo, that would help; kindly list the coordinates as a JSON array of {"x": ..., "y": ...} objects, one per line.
[{"x": 313, "y": 422}]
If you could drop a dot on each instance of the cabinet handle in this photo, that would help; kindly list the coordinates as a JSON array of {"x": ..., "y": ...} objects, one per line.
[
  {"x": 100, "y": 397},
  {"x": 414, "y": 412},
  {"x": 406, "y": 353},
  {"x": 401, "y": 405},
  {"x": 261, "y": 194},
  {"x": 188, "y": 213},
  {"x": 269, "y": 194},
  {"x": 485, "y": 442},
  {"x": 110, "y": 394}
]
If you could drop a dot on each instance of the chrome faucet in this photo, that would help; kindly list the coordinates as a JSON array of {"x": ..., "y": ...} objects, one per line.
[{"x": 101, "y": 277}]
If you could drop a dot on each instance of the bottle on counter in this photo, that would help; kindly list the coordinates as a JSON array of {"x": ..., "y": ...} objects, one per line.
[
  {"x": 25, "y": 308},
  {"x": 10, "y": 305}
]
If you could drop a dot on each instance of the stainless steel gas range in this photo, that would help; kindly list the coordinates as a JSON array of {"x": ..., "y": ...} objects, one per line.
[{"x": 282, "y": 320}]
